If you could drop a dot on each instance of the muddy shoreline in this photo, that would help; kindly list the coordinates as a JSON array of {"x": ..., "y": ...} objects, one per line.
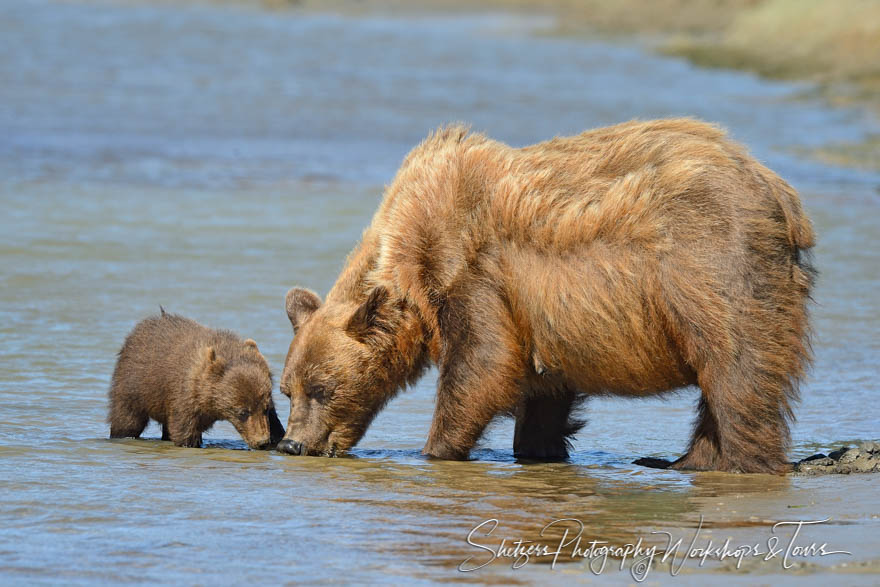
[{"x": 862, "y": 459}]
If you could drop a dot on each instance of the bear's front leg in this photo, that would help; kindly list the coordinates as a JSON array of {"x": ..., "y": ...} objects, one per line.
[
  {"x": 480, "y": 375},
  {"x": 467, "y": 400},
  {"x": 182, "y": 427}
]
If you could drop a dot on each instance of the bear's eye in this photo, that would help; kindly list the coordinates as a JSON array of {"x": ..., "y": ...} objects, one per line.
[{"x": 243, "y": 415}]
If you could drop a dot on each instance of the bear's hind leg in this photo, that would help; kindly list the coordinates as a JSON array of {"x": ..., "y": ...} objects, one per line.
[
  {"x": 544, "y": 426},
  {"x": 742, "y": 425},
  {"x": 748, "y": 355},
  {"x": 703, "y": 453}
]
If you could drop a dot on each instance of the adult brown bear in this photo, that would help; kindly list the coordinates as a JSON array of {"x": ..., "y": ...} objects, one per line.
[{"x": 630, "y": 260}]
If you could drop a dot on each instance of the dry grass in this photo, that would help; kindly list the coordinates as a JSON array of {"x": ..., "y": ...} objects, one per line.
[
  {"x": 828, "y": 41},
  {"x": 865, "y": 154}
]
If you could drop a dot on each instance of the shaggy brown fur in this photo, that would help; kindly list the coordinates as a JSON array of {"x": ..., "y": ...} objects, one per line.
[
  {"x": 186, "y": 377},
  {"x": 630, "y": 260}
]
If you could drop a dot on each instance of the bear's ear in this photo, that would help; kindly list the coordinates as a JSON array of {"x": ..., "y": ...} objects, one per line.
[
  {"x": 211, "y": 362},
  {"x": 365, "y": 317},
  {"x": 251, "y": 343},
  {"x": 301, "y": 303}
]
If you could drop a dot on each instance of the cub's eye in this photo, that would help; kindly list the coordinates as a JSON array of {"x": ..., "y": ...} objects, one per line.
[
  {"x": 243, "y": 415},
  {"x": 316, "y": 391}
]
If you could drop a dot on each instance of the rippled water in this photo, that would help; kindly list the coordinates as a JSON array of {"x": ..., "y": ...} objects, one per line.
[{"x": 207, "y": 158}]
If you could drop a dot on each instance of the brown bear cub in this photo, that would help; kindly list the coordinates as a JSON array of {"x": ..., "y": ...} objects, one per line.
[
  {"x": 630, "y": 260},
  {"x": 186, "y": 377}
]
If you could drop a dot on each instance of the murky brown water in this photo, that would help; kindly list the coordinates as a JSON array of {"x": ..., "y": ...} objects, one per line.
[{"x": 207, "y": 158}]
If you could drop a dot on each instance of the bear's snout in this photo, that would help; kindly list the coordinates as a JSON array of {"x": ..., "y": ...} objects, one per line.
[
  {"x": 259, "y": 443},
  {"x": 290, "y": 447}
]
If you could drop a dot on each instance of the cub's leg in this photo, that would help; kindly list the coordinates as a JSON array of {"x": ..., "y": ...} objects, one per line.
[
  {"x": 544, "y": 426},
  {"x": 182, "y": 427},
  {"x": 127, "y": 418},
  {"x": 127, "y": 424}
]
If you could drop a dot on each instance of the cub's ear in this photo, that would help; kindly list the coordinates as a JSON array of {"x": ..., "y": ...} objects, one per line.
[
  {"x": 301, "y": 303},
  {"x": 365, "y": 317},
  {"x": 253, "y": 344},
  {"x": 211, "y": 362}
]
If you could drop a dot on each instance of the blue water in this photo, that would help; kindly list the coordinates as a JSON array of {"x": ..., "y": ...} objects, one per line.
[{"x": 208, "y": 157}]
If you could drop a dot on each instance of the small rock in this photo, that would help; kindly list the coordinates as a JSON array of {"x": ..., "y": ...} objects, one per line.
[
  {"x": 844, "y": 461},
  {"x": 864, "y": 465},
  {"x": 849, "y": 456},
  {"x": 811, "y": 469},
  {"x": 838, "y": 453}
]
